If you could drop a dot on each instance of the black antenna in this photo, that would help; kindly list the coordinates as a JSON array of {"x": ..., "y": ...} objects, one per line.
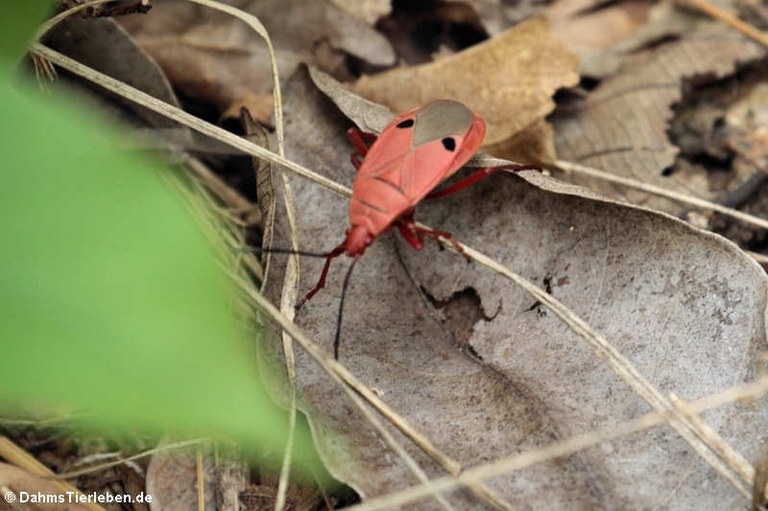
[
  {"x": 328, "y": 255},
  {"x": 337, "y": 338}
]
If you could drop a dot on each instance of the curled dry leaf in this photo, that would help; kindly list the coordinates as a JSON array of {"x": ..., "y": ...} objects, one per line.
[
  {"x": 621, "y": 127},
  {"x": 367, "y": 115},
  {"x": 509, "y": 80},
  {"x": 212, "y": 56},
  {"x": 685, "y": 306},
  {"x": 533, "y": 144}
]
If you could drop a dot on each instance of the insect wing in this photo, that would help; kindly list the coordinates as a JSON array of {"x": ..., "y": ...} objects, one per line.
[
  {"x": 385, "y": 158},
  {"x": 423, "y": 147}
]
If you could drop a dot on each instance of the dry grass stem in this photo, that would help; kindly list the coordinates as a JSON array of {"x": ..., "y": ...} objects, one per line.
[
  {"x": 736, "y": 461},
  {"x": 48, "y": 25},
  {"x": 43, "y": 67},
  {"x": 38, "y": 423},
  {"x": 17, "y": 456},
  {"x": 728, "y": 18},
  {"x": 291, "y": 278},
  {"x": 144, "y": 454},
  {"x": 229, "y": 196},
  {"x": 561, "y": 449},
  {"x": 350, "y": 383},
  {"x": 760, "y": 486},
  {"x": 200, "y": 475},
  {"x": 615, "y": 360},
  {"x": 709, "y": 447},
  {"x": 760, "y": 258},
  {"x": 182, "y": 117},
  {"x": 575, "y": 168}
]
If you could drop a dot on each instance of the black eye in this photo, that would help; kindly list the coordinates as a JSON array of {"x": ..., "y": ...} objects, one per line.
[
  {"x": 449, "y": 143},
  {"x": 405, "y": 124}
]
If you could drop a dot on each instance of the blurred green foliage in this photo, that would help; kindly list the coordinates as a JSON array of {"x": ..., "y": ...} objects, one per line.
[
  {"x": 20, "y": 18},
  {"x": 111, "y": 300}
]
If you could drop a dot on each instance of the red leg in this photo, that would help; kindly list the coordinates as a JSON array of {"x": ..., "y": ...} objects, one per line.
[
  {"x": 477, "y": 176},
  {"x": 362, "y": 141},
  {"x": 409, "y": 234},
  {"x": 336, "y": 252},
  {"x": 356, "y": 160},
  {"x": 414, "y": 234}
]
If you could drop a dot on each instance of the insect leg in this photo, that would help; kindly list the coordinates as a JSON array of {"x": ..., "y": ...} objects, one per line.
[
  {"x": 477, "y": 176},
  {"x": 336, "y": 252},
  {"x": 414, "y": 239},
  {"x": 414, "y": 234},
  {"x": 356, "y": 160},
  {"x": 362, "y": 141}
]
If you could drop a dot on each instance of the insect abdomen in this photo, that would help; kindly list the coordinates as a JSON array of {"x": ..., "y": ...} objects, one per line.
[{"x": 376, "y": 204}]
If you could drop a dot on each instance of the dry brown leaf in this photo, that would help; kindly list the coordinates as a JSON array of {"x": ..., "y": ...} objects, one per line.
[
  {"x": 593, "y": 35},
  {"x": 368, "y": 10},
  {"x": 573, "y": 8},
  {"x": 603, "y": 37},
  {"x": 622, "y": 126},
  {"x": 508, "y": 80},
  {"x": 212, "y": 56},
  {"x": 685, "y": 306},
  {"x": 534, "y": 144},
  {"x": 748, "y": 137},
  {"x": 367, "y": 115},
  {"x": 420, "y": 32},
  {"x": 499, "y": 15}
]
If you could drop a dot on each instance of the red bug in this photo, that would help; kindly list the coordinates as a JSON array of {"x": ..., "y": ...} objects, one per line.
[{"x": 416, "y": 152}]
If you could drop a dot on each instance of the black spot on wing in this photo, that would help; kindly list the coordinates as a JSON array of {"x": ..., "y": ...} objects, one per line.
[
  {"x": 449, "y": 143},
  {"x": 405, "y": 124}
]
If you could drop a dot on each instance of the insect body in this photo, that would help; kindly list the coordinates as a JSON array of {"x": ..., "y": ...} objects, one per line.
[{"x": 416, "y": 152}]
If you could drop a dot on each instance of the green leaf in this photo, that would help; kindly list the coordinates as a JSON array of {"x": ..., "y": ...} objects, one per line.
[
  {"x": 111, "y": 299},
  {"x": 20, "y": 18}
]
